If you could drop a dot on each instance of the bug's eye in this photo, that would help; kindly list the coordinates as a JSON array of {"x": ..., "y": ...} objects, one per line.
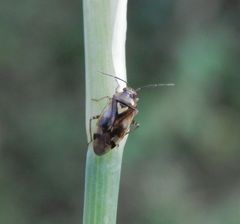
[
  {"x": 133, "y": 96},
  {"x": 124, "y": 89}
]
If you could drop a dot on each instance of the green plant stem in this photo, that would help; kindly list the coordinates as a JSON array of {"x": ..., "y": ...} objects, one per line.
[{"x": 104, "y": 34}]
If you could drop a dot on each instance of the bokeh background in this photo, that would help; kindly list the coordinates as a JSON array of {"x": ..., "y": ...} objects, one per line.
[{"x": 181, "y": 166}]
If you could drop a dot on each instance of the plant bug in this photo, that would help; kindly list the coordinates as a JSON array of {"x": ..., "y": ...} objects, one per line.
[{"x": 117, "y": 119}]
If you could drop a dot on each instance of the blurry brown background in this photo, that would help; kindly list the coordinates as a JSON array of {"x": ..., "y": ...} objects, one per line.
[{"x": 182, "y": 166}]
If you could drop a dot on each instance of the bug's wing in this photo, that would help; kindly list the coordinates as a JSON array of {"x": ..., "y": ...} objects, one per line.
[
  {"x": 108, "y": 116},
  {"x": 122, "y": 124}
]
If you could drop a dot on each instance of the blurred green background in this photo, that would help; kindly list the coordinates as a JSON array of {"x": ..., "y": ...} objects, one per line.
[{"x": 182, "y": 166}]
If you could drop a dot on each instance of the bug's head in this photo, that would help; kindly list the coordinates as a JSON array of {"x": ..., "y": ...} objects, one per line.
[
  {"x": 129, "y": 95},
  {"x": 130, "y": 92}
]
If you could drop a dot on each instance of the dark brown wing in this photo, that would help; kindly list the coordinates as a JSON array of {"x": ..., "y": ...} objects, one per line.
[
  {"x": 122, "y": 124},
  {"x": 102, "y": 138},
  {"x": 108, "y": 116}
]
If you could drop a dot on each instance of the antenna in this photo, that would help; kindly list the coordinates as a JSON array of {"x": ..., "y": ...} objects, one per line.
[
  {"x": 154, "y": 86},
  {"x": 138, "y": 89},
  {"x": 103, "y": 73}
]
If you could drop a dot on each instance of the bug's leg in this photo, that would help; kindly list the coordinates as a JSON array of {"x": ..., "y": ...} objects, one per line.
[
  {"x": 134, "y": 125},
  {"x": 102, "y": 98},
  {"x": 90, "y": 126}
]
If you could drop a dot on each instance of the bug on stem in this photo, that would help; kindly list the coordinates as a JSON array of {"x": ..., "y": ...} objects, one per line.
[{"x": 117, "y": 119}]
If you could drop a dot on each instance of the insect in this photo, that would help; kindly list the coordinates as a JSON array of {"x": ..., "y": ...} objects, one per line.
[{"x": 117, "y": 119}]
